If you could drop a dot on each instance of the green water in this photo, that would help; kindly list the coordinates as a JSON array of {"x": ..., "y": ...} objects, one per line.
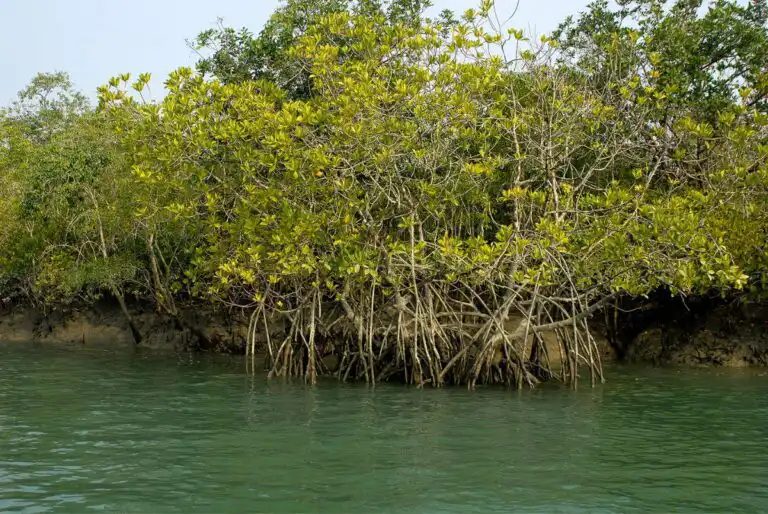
[{"x": 126, "y": 432}]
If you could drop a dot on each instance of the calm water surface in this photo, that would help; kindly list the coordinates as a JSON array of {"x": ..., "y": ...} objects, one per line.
[{"x": 85, "y": 430}]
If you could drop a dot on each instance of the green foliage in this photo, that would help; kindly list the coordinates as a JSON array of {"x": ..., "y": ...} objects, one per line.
[
  {"x": 238, "y": 55},
  {"x": 48, "y": 104},
  {"x": 701, "y": 63},
  {"x": 67, "y": 227}
]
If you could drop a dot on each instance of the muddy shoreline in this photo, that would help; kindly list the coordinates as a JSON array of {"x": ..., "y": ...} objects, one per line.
[
  {"x": 700, "y": 333},
  {"x": 103, "y": 324}
]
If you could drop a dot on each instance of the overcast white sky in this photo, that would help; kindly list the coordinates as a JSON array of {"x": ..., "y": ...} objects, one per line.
[{"x": 94, "y": 40}]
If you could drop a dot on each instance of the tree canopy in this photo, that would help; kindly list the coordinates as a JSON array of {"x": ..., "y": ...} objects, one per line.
[{"x": 233, "y": 55}]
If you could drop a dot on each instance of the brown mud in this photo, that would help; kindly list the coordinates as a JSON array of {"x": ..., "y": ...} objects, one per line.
[{"x": 695, "y": 333}]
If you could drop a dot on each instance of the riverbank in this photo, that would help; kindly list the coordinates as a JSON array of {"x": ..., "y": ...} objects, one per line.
[
  {"x": 103, "y": 324},
  {"x": 696, "y": 333},
  {"x": 199, "y": 329}
]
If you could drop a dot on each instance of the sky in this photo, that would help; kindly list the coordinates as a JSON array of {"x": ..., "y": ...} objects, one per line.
[{"x": 94, "y": 40}]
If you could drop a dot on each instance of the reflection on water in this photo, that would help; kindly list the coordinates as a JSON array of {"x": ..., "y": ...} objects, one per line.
[{"x": 84, "y": 430}]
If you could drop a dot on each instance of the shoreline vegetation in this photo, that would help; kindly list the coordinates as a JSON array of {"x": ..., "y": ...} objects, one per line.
[{"x": 434, "y": 201}]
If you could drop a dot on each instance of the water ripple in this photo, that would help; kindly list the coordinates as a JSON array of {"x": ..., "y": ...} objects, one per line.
[{"x": 118, "y": 432}]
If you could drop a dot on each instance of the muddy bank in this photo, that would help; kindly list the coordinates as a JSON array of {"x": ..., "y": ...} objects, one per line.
[
  {"x": 201, "y": 329},
  {"x": 198, "y": 329},
  {"x": 661, "y": 332},
  {"x": 696, "y": 332},
  {"x": 103, "y": 324}
]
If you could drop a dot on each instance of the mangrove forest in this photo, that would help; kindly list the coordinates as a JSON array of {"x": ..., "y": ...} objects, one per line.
[{"x": 383, "y": 194}]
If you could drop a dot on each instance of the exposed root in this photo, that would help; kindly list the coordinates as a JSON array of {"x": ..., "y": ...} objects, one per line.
[{"x": 432, "y": 336}]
